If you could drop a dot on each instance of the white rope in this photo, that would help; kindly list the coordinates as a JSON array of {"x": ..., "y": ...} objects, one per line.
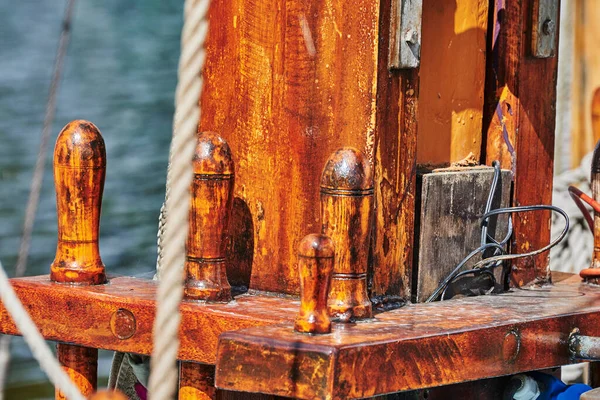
[
  {"x": 163, "y": 376},
  {"x": 575, "y": 253},
  {"x": 40, "y": 350}
]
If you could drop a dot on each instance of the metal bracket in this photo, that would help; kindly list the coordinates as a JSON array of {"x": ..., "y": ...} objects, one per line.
[
  {"x": 405, "y": 34},
  {"x": 543, "y": 28}
]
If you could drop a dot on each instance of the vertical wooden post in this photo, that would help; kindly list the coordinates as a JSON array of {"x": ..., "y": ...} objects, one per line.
[
  {"x": 206, "y": 250},
  {"x": 79, "y": 171},
  {"x": 315, "y": 264},
  {"x": 521, "y": 97},
  {"x": 346, "y": 213}
]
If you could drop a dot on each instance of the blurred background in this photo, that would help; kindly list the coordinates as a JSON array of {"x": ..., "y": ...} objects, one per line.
[{"x": 120, "y": 72}]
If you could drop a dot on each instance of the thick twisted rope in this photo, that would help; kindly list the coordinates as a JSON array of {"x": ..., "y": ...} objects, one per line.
[
  {"x": 163, "y": 376},
  {"x": 40, "y": 350}
]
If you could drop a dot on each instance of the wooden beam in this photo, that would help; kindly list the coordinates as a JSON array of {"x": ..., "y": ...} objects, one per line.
[
  {"x": 119, "y": 316},
  {"x": 521, "y": 97},
  {"x": 395, "y": 175},
  {"x": 421, "y": 345}
]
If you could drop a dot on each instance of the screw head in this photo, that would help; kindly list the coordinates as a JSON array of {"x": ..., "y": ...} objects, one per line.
[
  {"x": 548, "y": 27},
  {"x": 411, "y": 36},
  {"x": 123, "y": 324}
]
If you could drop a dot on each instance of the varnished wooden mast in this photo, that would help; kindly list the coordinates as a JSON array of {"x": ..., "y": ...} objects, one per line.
[{"x": 79, "y": 171}]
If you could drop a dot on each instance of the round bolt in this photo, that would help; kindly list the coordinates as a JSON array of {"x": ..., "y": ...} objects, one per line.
[
  {"x": 122, "y": 324},
  {"x": 411, "y": 36},
  {"x": 548, "y": 27},
  {"x": 511, "y": 346}
]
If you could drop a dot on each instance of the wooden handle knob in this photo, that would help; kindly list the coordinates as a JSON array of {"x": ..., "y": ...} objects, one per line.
[
  {"x": 79, "y": 171},
  {"x": 346, "y": 212},
  {"x": 210, "y": 212},
  {"x": 315, "y": 264}
]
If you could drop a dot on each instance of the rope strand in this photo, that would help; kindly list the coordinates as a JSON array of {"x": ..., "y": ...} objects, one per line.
[
  {"x": 40, "y": 350},
  {"x": 163, "y": 376}
]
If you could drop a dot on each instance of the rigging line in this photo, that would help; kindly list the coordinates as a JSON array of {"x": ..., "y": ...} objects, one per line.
[
  {"x": 38, "y": 172},
  {"x": 40, "y": 350},
  {"x": 40, "y": 164}
]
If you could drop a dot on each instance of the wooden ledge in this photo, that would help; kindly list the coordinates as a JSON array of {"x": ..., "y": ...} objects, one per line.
[
  {"x": 418, "y": 346},
  {"x": 120, "y": 314}
]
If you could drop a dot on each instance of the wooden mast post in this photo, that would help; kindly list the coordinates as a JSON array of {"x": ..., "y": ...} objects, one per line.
[
  {"x": 79, "y": 171},
  {"x": 206, "y": 251}
]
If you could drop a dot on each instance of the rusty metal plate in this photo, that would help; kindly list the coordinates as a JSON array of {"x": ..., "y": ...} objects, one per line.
[
  {"x": 544, "y": 27},
  {"x": 405, "y": 34}
]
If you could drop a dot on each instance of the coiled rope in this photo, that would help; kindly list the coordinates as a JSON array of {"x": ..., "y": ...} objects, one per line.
[{"x": 163, "y": 376}]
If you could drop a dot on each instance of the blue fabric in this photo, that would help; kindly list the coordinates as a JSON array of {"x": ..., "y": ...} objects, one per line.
[{"x": 552, "y": 388}]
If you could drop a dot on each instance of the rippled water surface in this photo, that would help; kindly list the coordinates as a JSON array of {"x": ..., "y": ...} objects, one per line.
[{"x": 120, "y": 73}]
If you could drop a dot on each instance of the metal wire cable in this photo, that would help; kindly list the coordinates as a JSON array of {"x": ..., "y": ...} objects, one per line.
[{"x": 486, "y": 265}]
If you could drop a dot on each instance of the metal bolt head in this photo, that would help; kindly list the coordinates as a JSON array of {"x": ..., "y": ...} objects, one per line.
[
  {"x": 411, "y": 36},
  {"x": 123, "y": 324},
  {"x": 548, "y": 27}
]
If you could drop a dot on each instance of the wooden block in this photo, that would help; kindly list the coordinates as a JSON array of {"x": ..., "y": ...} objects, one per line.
[
  {"x": 415, "y": 347},
  {"x": 452, "y": 203}
]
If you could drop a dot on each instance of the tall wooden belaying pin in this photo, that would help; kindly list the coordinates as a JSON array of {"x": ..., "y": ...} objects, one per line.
[
  {"x": 346, "y": 213},
  {"x": 210, "y": 213},
  {"x": 79, "y": 171}
]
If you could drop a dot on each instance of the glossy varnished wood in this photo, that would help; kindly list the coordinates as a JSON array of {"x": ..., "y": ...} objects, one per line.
[
  {"x": 81, "y": 365},
  {"x": 394, "y": 174},
  {"x": 315, "y": 265},
  {"x": 287, "y": 83},
  {"x": 210, "y": 213},
  {"x": 83, "y": 315},
  {"x": 346, "y": 213},
  {"x": 418, "y": 346},
  {"x": 521, "y": 97},
  {"x": 79, "y": 171}
]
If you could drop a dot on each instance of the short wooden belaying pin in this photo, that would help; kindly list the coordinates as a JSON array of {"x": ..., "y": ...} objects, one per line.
[
  {"x": 315, "y": 264},
  {"x": 79, "y": 171},
  {"x": 346, "y": 213},
  {"x": 210, "y": 212}
]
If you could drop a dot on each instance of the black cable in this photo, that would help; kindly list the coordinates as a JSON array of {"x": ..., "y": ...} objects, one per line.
[{"x": 486, "y": 265}]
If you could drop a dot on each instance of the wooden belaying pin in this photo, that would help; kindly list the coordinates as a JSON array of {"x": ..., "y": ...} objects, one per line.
[
  {"x": 210, "y": 212},
  {"x": 346, "y": 213},
  {"x": 315, "y": 265},
  {"x": 79, "y": 171}
]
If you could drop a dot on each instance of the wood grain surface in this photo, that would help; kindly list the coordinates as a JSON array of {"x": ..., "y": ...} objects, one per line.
[
  {"x": 521, "y": 97},
  {"x": 83, "y": 316},
  {"x": 418, "y": 346}
]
